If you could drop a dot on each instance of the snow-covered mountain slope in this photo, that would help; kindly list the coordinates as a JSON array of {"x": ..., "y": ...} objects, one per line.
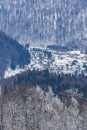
[
  {"x": 45, "y": 21},
  {"x": 58, "y": 60},
  {"x": 55, "y": 59},
  {"x": 12, "y": 54}
]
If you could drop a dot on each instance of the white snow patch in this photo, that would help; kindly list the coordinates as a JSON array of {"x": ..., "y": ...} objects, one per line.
[{"x": 9, "y": 72}]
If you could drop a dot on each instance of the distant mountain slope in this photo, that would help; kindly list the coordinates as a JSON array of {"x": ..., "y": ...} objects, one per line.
[
  {"x": 45, "y": 21},
  {"x": 11, "y": 54}
]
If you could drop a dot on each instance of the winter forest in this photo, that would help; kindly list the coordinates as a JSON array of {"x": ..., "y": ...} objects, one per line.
[
  {"x": 44, "y": 21},
  {"x": 43, "y": 64},
  {"x": 30, "y": 108}
]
